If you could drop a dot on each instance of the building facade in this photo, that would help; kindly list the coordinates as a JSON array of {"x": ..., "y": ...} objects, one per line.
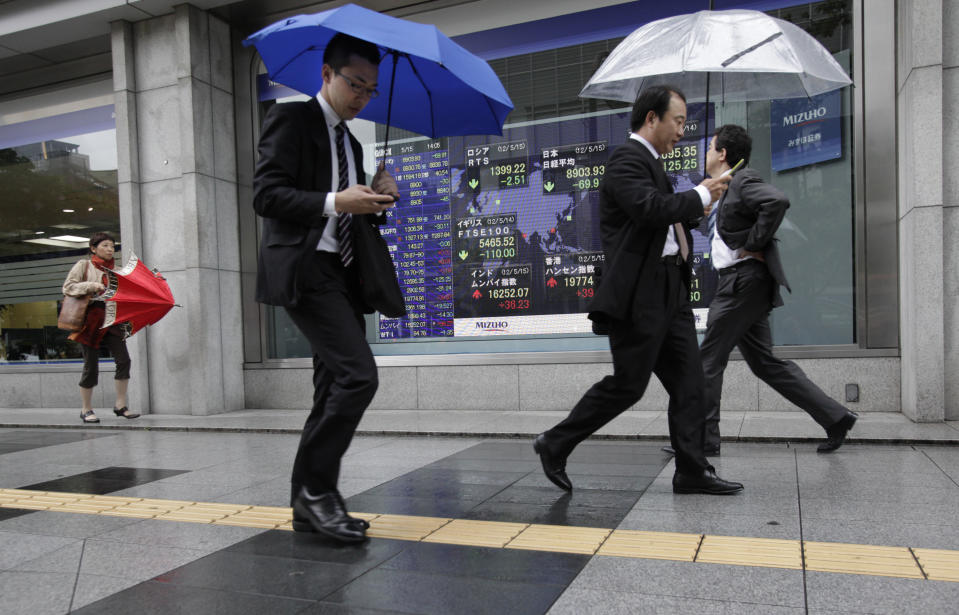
[{"x": 142, "y": 118}]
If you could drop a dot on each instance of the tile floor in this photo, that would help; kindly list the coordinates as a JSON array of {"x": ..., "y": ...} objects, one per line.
[{"x": 876, "y": 494}]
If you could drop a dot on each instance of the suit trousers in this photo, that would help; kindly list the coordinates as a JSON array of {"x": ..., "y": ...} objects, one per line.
[
  {"x": 739, "y": 316},
  {"x": 659, "y": 341},
  {"x": 344, "y": 372}
]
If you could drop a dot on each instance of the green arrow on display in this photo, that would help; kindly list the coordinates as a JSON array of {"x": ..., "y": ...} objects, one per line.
[
  {"x": 463, "y": 255},
  {"x": 548, "y": 186},
  {"x": 473, "y": 183}
]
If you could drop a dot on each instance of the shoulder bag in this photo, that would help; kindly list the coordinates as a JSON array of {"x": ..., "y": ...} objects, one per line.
[{"x": 73, "y": 311}]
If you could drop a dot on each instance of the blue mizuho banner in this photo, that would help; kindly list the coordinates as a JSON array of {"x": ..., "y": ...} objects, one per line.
[{"x": 805, "y": 130}]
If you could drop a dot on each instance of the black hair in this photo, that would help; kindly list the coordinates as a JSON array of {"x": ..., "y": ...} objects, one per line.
[
  {"x": 101, "y": 236},
  {"x": 736, "y": 141},
  {"x": 342, "y": 46},
  {"x": 656, "y": 99}
]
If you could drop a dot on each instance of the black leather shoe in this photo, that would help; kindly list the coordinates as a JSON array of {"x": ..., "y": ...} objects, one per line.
[
  {"x": 301, "y": 524},
  {"x": 708, "y": 451},
  {"x": 326, "y": 514},
  {"x": 707, "y": 483},
  {"x": 836, "y": 433},
  {"x": 553, "y": 467},
  {"x": 125, "y": 413}
]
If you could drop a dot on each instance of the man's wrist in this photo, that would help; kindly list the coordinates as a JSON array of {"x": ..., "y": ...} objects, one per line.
[
  {"x": 329, "y": 206},
  {"x": 704, "y": 195}
]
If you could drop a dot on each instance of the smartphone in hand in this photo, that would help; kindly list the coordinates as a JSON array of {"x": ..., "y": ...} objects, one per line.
[{"x": 734, "y": 168}]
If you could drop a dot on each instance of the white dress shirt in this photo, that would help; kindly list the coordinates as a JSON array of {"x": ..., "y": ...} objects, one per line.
[
  {"x": 722, "y": 255},
  {"x": 328, "y": 241},
  {"x": 672, "y": 246}
]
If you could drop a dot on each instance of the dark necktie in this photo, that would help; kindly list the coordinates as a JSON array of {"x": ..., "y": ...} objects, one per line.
[
  {"x": 681, "y": 240},
  {"x": 344, "y": 222},
  {"x": 711, "y": 221}
]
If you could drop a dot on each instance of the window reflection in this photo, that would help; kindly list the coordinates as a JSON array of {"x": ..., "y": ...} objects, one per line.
[{"x": 58, "y": 181}]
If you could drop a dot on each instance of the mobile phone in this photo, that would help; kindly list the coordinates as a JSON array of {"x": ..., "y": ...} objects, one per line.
[{"x": 734, "y": 168}]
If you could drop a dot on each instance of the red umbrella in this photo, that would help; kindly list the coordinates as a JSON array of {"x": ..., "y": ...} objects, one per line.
[{"x": 136, "y": 295}]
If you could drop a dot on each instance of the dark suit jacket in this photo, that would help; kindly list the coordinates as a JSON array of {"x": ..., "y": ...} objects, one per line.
[
  {"x": 292, "y": 179},
  {"x": 750, "y": 213},
  {"x": 636, "y": 208}
]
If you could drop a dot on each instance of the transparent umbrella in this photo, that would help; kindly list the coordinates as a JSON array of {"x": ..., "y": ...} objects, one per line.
[{"x": 743, "y": 55}]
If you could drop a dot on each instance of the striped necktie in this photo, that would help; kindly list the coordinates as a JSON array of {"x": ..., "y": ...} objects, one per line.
[{"x": 344, "y": 222}]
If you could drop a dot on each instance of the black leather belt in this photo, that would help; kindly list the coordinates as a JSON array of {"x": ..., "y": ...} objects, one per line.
[
  {"x": 739, "y": 265},
  {"x": 673, "y": 259}
]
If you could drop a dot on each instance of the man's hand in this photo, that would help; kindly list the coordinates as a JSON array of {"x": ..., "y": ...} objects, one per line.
[
  {"x": 708, "y": 209},
  {"x": 716, "y": 186},
  {"x": 362, "y": 200},
  {"x": 383, "y": 182},
  {"x": 743, "y": 253}
]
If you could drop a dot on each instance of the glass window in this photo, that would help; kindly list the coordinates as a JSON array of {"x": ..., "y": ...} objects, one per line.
[
  {"x": 58, "y": 177},
  {"x": 496, "y": 239}
]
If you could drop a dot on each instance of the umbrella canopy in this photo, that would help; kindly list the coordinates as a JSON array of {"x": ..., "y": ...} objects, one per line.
[
  {"x": 136, "y": 295},
  {"x": 747, "y": 55},
  {"x": 436, "y": 87}
]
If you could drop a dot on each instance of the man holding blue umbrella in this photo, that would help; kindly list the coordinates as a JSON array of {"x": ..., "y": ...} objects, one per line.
[{"x": 309, "y": 189}]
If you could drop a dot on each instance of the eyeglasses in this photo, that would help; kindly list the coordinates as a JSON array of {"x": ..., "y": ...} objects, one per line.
[{"x": 358, "y": 89}]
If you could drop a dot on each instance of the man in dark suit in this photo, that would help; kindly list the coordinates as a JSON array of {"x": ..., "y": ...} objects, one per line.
[
  {"x": 308, "y": 188},
  {"x": 644, "y": 298},
  {"x": 744, "y": 252}
]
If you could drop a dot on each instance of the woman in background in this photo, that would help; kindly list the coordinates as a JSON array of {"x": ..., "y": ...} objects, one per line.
[{"x": 86, "y": 279}]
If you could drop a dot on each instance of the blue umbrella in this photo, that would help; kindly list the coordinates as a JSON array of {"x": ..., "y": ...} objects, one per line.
[{"x": 440, "y": 89}]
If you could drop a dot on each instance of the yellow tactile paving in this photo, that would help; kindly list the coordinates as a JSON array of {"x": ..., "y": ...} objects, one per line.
[
  {"x": 560, "y": 538},
  {"x": 265, "y": 525},
  {"x": 404, "y": 527},
  {"x": 861, "y": 559},
  {"x": 937, "y": 564},
  {"x": 476, "y": 533},
  {"x": 651, "y": 545},
  {"x": 740, "y": 551}
]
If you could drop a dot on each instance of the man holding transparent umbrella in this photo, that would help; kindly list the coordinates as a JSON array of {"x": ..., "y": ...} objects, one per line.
[{"x": 644, "y": 298}]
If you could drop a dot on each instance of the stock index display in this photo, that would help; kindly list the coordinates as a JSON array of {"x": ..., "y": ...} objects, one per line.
[{"x": 500, "y": 235}]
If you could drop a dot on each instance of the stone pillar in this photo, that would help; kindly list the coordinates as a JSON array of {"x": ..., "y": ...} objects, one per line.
[
  {"x": 178, "y": 202},
  {"x": 950, "y": 210},
  {"x": 922, "y": 249}
]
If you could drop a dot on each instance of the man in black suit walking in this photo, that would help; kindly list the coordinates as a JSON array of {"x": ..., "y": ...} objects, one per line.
[
  {"x": 644, "y": 298},
  {"x": 308, "y": 188},
  {"x": 743, "y": 250}
]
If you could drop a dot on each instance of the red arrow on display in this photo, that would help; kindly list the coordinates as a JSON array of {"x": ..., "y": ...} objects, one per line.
[
  {"x": 477, "y": 294},
  {"x": 551, "y": 282}
]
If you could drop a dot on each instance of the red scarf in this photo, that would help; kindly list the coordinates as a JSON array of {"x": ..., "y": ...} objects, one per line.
[
  {"x": 91, "y": 334},
  {"x": 102, "y": 264}
]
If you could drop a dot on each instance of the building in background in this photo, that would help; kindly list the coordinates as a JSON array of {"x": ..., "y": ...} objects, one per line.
[{"x": 142, "y": 118}]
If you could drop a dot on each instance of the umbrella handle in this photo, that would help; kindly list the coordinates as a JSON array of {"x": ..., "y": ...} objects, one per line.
[{"x": 389, "y": 104}]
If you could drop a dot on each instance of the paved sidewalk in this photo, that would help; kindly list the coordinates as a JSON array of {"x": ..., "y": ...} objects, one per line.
[
  {"x": 872, "y": 427},
  {"x": 869, "y": 529}
]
